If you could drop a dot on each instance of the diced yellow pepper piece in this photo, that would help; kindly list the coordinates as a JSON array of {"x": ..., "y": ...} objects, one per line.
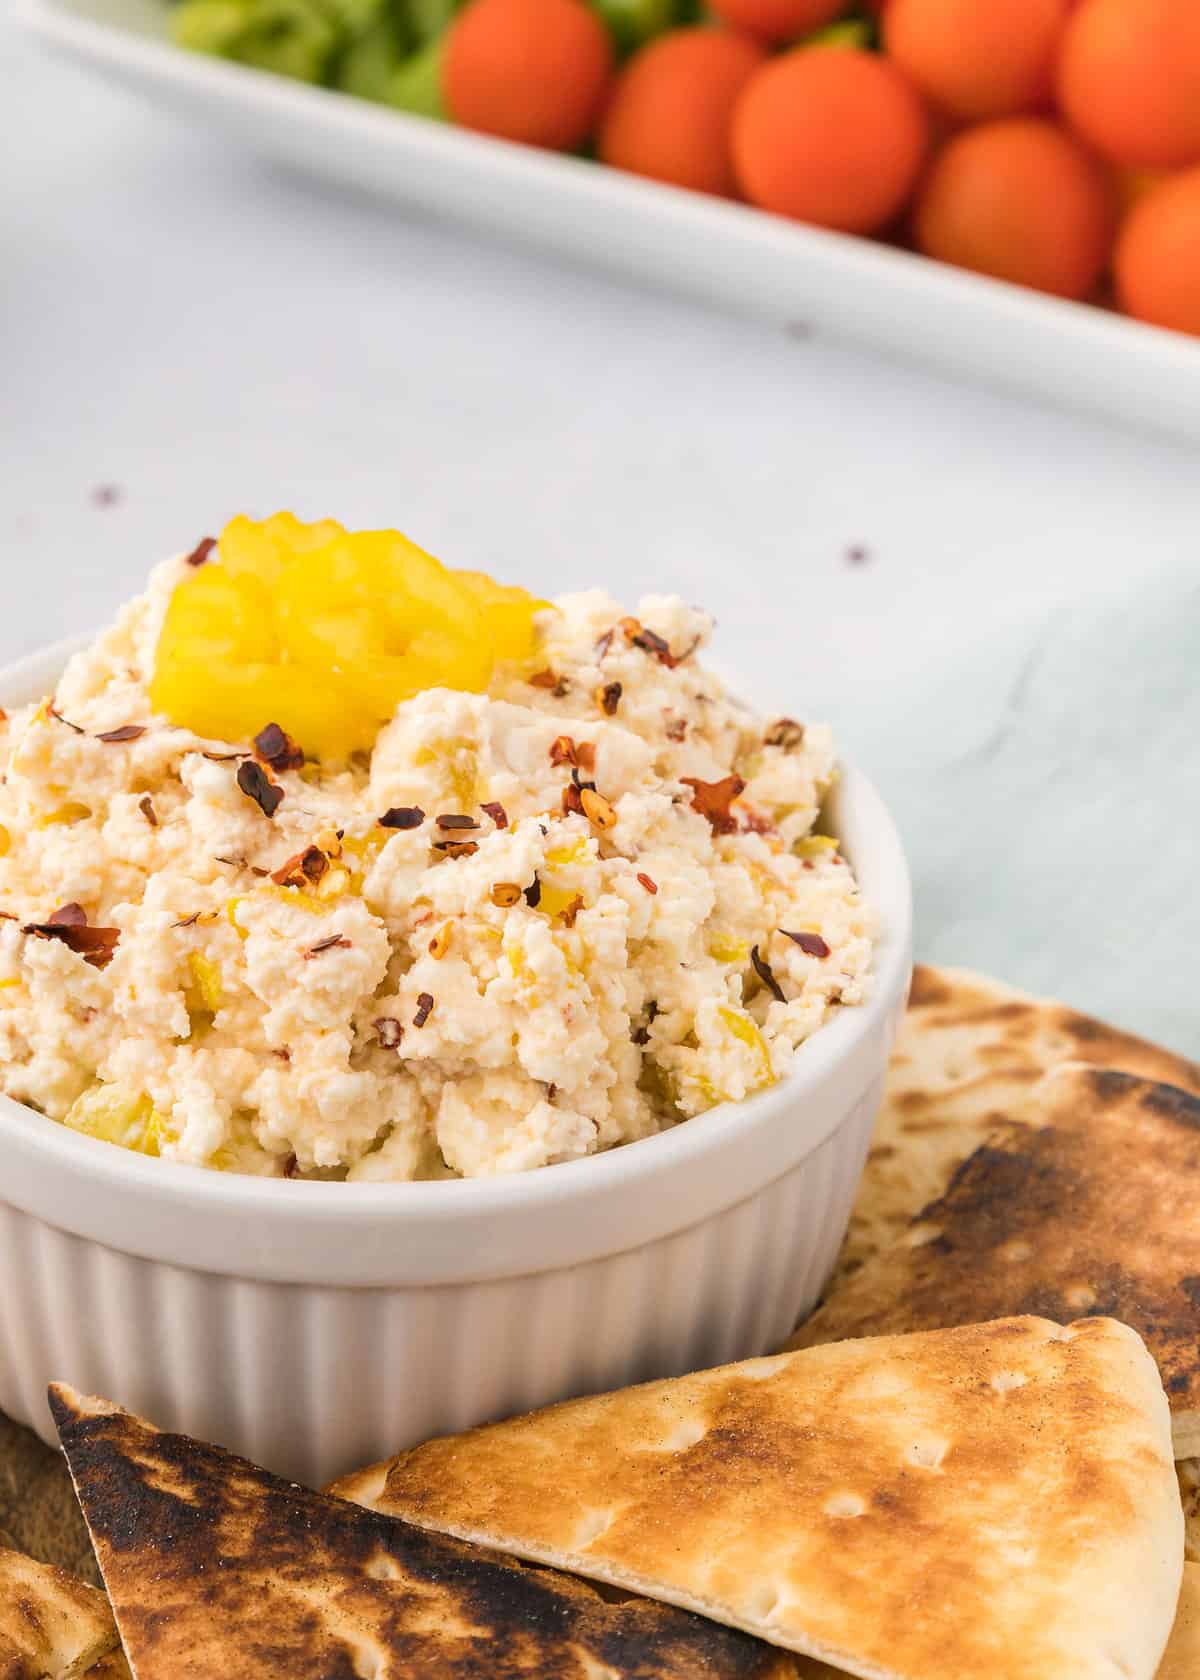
[
  {"x": 726, "y": 949},
  {"x": 325, "y": 632},
  {"x": 815, "y": 845},
  {"x": 746, "y": 1032},
  {"x": 509, "y": 612},
  {"x": 206, "y": 977},
  {"x": 118, "y": 1116}
]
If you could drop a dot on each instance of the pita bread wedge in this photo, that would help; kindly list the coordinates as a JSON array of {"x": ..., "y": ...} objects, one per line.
[
  {"x": 996, "y": 1502},
  {"x": 968, "y": 1051},
  {"x": 1085, "y": 1201},
  {"x": 219, "y": 1571},
  {"x": 52, "y": 1627},
  {"x": 1180, "y": 1662}
]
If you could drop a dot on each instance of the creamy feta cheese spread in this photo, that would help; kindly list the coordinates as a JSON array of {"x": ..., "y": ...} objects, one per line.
[{"x": 530, "y": 924}]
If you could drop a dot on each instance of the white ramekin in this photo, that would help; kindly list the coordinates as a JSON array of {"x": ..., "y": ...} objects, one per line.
[{"x": 316, "y": 1327}]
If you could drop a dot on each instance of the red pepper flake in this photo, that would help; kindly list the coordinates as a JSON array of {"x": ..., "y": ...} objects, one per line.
[
  {"x": 650, "y": 886},
  {"x": 562, "y": 751},
  {"x": 68, "y": 915},
  {"x": 456, "y": 848},
  {"x": 762, "y": 968},
  {"x": 497, "y": 812},
  {"x": 677, "y": 729},
  {"x": 188, "y": 921},
  {"x": 127, "y": 732},
  {"x": 551, "y": 680},
  {"x": 303, "y": 869},
  {"x": 424, "y": 1008},
  {"x": 533, "y": 894},
  {"x": 572, "y": 801},
  {"x": 649, "y": 641},
  {"x": 402, "y": 816},
  {"x": 335, "y": 941},
  {"x": 810, "y": 943},
  {"x": 388, "y": 1032},
  {"x": 68, "y": 924},
  {"x": 233, "y": 862},
  {"x": 223, "y": 758},
  {"x": 785, "y": 732},
  {"x": 276, "y": 748},
  {"x": 257, "y": 785},
  {"x": 456, "y": 819},
  {"x": 201, "y": 552},
  {"x": 608, "y": 698},
  {"x": 59, "y": 718},
  {"x": 585, "y": 754},
  {"x": 146, "y": 807},
  {"x": 713, "y": 799}
]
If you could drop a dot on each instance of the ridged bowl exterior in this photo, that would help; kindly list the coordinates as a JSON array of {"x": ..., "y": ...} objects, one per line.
[
  {"x": 316, "y": 1327},
  {"x": 313, "y": 1382}
]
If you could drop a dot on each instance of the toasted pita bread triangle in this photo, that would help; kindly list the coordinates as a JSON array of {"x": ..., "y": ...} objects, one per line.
[
  {"x": 968, "y": 1051},
  {"x": 996, "y": 1502},
  {"x": 219, "y": 1571},
  {"x": 51, "y": 1625},
  {"x": 1180, "y": 1662},
  {"x": 1084, "y": 1201}
]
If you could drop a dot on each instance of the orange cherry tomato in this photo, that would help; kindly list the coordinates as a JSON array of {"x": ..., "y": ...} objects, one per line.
[
  {"x": 1020, "y": 199},
  {"x": 778, "y": 20},
  {"x": 531, "y": 70},
  {"x": 1157, "y": 259},
  {"x": 830, "y": 135},
  {"x": 975, "y": 59},
  {"x": 1129, "y": 80},
  {"x": 672, "y": 108}
]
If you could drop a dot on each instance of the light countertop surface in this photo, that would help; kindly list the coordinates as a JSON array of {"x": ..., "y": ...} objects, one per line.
[{"x": 997, "y": 605}]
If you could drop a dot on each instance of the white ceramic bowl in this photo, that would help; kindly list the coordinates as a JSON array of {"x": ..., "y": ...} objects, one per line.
[{"x": 315, "y": 1327}]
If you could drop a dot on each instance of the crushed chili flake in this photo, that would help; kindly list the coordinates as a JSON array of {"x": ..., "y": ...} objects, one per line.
[
  {"x": 533, "y": 894},
  {"x": 388, "y": 1032},
  {"x": 496, "y": 811},
  {"x": 456, "y": 819},
  {"x": 303, "y": 869},
  {"x": 201, "y": 552},
  {"x": 146, "y": 807},
  {"x": 456, "y": 848},
  {"x": 562, "y": 751},
  {"x": 677, "y": 729},
  {"x": 762, "y": 968},
  {"x": 544, "y": 679},
  {"x": 810, "y": 943},
  {"x": 585, "y": 755},
  {"x": 650, "y": 886},
  {"x": 127, "y": 732},
  {"x": 603, "y": 643},
  {"x": 223, "y": 758},
  {"x": 233, "y": 862},
  {"x": 276, "y": 748},
  {"x": 572, "y": 802},
  {"x": 597, "y": 809},
  {"x": 649, "y": 641},
  {"x": 333, "y": 941},
  {"x": 785, "y": 732},
  {"x": 68, "y": 915},
  {"x": 402, "y": 816},
  {"x": 59, "y": 718},
  {"x": 68, "y": 924},
  {"x": 424, "y": 1009},
  {"x": 608, "y": 698},
  {"x": 188, "y": 921},
  {"x": 713, "y": 799},
  {"x": 257, "y": 785}
]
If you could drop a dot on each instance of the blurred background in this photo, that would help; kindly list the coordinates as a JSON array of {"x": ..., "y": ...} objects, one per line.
[{"x": 995, "y": 601}]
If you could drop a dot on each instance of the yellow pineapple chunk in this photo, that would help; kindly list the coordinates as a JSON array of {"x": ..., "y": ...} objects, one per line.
[{"x": 509, "y": 612}]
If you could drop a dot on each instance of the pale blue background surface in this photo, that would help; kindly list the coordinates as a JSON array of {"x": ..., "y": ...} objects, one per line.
[{"x": 1016, "y": 663}]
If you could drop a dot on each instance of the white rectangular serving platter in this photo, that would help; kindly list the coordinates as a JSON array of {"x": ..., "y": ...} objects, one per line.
[{"x": 724, "y": 253}]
